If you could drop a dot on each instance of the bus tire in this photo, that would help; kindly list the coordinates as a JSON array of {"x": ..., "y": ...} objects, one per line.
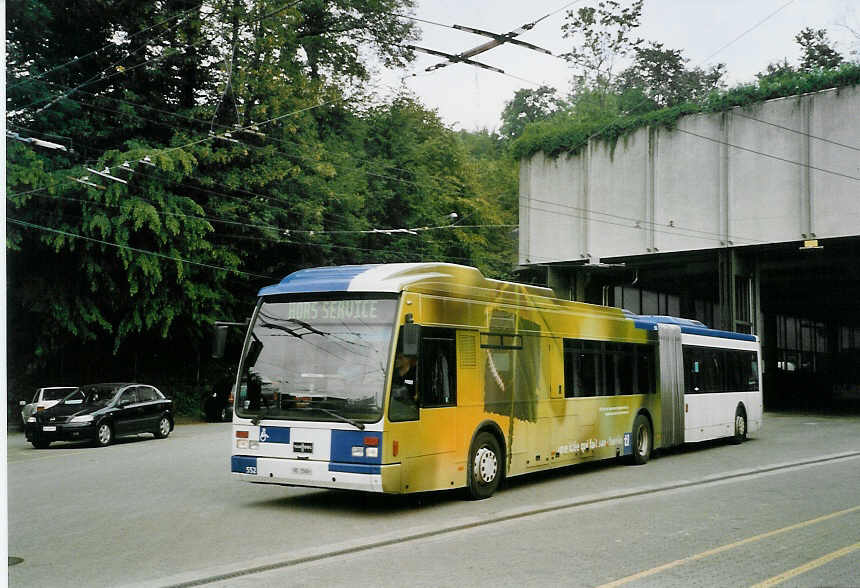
[
  {"x": 740, "y": 426},
  {"x": 642, "y": 440},
  {"x": 485, "y": 466}
]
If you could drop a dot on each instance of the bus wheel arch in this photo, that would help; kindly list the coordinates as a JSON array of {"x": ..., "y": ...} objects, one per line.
[
  {"x": 741, "y": 424},
  {"x": 642, "y": 438},
  {"x": 486, "y": 461}
]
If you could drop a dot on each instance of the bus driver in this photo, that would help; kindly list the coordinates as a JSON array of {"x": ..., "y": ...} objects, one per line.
[{"x": 403, "y": 382}]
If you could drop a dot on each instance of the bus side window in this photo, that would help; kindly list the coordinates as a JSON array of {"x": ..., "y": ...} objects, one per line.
[
  {"x": 692, "y": 370},
  {"x": 645, "y": 369},
  {"x": 582, "y": 368},
  {"x": 714, "y": 381},
  {"x": 437, "y": 375},
  {"x": 403, "y": 405}
]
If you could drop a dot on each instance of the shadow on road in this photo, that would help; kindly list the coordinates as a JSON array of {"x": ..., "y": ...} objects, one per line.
[
  {"x": 370, "y": 504},
  {"x": 60, "y": 445},
  {"x": 361, "y": 503}
]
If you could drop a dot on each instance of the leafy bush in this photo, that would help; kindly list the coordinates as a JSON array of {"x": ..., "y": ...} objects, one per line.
[{"x": 560, "y": 135}]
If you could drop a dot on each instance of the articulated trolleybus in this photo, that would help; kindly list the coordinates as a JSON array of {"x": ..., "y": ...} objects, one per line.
[{"x": 424, "y": 376}]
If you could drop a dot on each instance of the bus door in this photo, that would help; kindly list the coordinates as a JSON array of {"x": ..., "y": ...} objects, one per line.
[
  {"x": 425, "y": 420},
  {"x": 671, "y": 385}
]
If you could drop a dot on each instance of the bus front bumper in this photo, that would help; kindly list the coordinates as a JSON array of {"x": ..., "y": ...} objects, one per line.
[{"x": 316, "y": 474}]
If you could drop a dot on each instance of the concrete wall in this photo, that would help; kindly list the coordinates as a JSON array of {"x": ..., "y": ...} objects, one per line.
[{"x": 717, "y": 180}]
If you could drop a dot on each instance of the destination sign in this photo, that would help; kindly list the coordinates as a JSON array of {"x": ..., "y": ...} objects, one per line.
[{"x": 340, "y": 310}]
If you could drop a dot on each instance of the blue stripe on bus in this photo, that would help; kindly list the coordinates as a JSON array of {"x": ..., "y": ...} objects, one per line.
[
  {"x": 320, "y": 279},
  {"x": 689, "y": 326},
  {"x": 274, "y": 435},
  {"x": 355, "y": 468},
  {"x": 342, "y": 443},
  {"x": 716, "y": 333},
  {"x": 240, "y": 464}
]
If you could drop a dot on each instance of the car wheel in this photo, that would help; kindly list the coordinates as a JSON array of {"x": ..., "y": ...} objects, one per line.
[
  {"x": 104, "y": 434},
  {"x": 641, "y": 440},
  {"x": 40, "y": 443},
  {"x": 485, "y": 466},
  {"x": 163, "y": 428},
  {"x": 740, "y": 426}
]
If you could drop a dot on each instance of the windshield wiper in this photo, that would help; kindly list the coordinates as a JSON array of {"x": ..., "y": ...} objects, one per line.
[
  {"x": 340, "y": 417},
  {"x": 263, "y": 412}
]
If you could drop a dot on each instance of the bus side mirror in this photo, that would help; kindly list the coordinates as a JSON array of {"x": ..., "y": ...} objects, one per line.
[
  {"x": 411, "y": 336},
  {"x": 219, "y": 341}
]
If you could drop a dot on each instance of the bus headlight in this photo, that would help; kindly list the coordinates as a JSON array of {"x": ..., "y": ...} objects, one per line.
[{"x": 358, "y": 451}]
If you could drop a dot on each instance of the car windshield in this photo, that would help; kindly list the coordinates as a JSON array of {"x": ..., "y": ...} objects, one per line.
[
  {"x": 98, "y": 395},
  {"x": 321, "y": 360},
  {"x": 57, "y": 393}
]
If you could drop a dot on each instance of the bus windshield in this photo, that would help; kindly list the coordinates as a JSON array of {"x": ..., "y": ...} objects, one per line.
[{"x": 317, "y": 360}]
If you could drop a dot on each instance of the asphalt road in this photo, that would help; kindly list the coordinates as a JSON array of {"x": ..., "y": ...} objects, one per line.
[{"x": 166, "y": 512}]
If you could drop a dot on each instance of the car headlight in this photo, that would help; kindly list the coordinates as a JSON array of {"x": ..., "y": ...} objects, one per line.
[
  {"x": 84, "y": 418},
  {"x": 31, "y": 419}
]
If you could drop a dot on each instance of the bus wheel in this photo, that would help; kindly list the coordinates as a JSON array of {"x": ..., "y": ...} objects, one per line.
[
  {"x": 641, "y": 440},
  {"x": 485, "y": 466},
  {"x": 740, "y": 426}
]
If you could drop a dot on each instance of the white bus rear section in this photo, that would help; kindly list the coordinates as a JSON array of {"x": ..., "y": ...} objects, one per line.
[{"x": 712, "y": 416}]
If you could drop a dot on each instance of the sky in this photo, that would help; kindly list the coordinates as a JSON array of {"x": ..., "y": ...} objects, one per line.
[{"x": 470, "y": 98}]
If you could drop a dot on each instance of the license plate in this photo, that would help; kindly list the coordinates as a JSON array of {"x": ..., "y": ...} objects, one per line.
[
  {"x": 49, "y": 428},
  {"x": 303, "y": 471}
]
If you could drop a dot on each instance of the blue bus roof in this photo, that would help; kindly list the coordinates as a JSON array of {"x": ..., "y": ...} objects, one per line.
[
  {"x": 391, "y": 277},
  {"x": 689, "y": 326},
  {"x": 394, "y": 277}
]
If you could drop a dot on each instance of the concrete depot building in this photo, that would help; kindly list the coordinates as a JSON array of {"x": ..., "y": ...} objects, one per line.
[{"x": 747, "y": 220}]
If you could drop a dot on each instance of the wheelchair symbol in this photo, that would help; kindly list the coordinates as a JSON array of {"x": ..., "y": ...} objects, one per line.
[{"x": 263, "y": 435}]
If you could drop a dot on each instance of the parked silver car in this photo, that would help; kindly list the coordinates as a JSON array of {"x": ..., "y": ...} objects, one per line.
[{"x": 44, "y": 398}]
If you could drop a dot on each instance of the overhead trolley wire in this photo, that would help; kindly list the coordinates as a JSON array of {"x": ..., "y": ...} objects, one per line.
[
  {"x": 217, "y": 235},
  {"x": 776, "y": 157},
  {"x": 228, "y": 128},
  {"x": 749, "y": 30},
  {"x": 262, "y": 148},
  {"x": 101, "y": 75},
  {"x": 106, "y": 46},
  {"x": 182, "y": 14},
  {"x": 135, "y": 249},
  {"x": 650, "y": 223},
  {"x": 498, "y": 40},
  {"x": 128, "y": 206},
  {"x": 803, "y": 133}
]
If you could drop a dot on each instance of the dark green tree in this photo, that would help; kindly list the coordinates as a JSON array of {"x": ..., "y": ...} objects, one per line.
[
  {"x": 661, "y": 77},
  {"x": 528, "y": 106},
  {"x": 117, "y": 273},
  {"x": 600, "y": 35},
  {"x": 816, "y": 51}
]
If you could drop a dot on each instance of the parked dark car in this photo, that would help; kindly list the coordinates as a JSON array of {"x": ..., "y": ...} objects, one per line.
[
  {"x": 218, "y": 403},
  {"x": 102, "y": 412}
]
